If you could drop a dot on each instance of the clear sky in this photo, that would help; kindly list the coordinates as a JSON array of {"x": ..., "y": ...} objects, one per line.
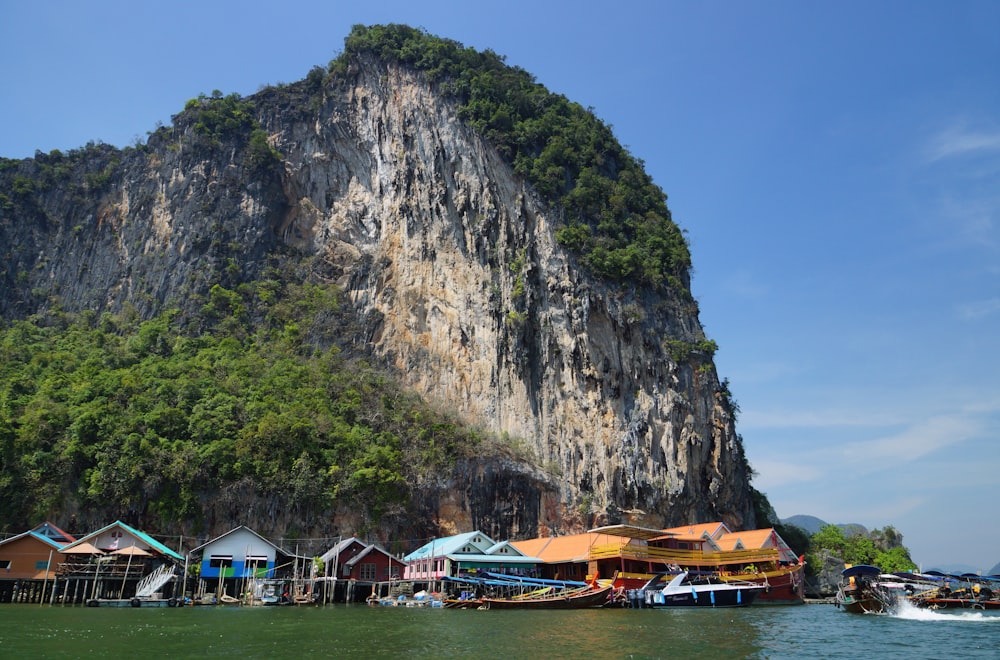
[{"x": 835, "y": 164}]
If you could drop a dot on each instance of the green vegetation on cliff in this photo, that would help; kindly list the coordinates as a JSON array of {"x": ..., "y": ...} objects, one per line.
[
  {"x": 615, "y": 217},
  {"x": 144, "y": 420},
  {"x": 880, "y": 547}
]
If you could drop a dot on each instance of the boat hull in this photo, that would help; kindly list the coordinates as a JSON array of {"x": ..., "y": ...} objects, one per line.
[
  {"x": 785, "y": 586},
  {"x": 740, "y": 597},
  {"x": 592, "y": 598},
  {"x": 864, "y": 605},
  {"x": 133, "y": 602},
  {"x": 956, "y": 604}
]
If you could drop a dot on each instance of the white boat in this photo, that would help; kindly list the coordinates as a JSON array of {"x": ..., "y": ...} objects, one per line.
[{"x": 685, "y": 590}]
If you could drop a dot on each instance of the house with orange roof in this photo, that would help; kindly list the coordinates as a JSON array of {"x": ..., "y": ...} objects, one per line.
[
  {"x": 711, "y": 530},
  {"x": 758, "y": 539},
  {"x": 631, "y": 554},
  {"x": 573, "y": 557}
]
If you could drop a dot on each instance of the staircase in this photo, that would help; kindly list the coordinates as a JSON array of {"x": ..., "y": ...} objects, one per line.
[{"x": 155, "y": 581}]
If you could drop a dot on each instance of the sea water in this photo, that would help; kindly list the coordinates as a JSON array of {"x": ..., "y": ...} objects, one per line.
[{"x": 335, "y": 631}]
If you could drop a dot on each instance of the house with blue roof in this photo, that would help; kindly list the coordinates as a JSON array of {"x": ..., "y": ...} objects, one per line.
[
  {"x": 464, "y": 555},
  {"x": 119, "y": 562},
  {"x": 118, "y": 536}
]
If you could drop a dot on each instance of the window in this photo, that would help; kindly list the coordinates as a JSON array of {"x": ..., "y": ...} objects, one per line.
[
  {"x": 392, "y": 572},
  {"x": 256, "y": 566},
  {"x": 5, "y": 564},
  {"x": 219, "y": 561},
  {"x": 368, "y": 572}
]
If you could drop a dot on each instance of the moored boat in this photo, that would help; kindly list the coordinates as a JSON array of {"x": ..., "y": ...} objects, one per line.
[
  {"x": 961, "y": 592},
  {"x": 686, "y": 590},
  {"x": 549, "y": 599}
]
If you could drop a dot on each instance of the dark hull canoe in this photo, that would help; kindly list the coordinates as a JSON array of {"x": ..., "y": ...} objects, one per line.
[{"x": 956, "y": 604}]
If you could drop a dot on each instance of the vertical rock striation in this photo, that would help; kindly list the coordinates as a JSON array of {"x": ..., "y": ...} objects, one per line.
[{"x": 453, "y": 263}]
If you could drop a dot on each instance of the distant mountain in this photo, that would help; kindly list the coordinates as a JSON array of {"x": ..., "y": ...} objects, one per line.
[
  {"x": 995, "y": 570},
  {"x": 812, "y": 524}
]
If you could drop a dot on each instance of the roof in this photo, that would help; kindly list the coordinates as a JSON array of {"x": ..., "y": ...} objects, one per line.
[
  {"x": 142, "y": 536},
  {"x": 367, "y": 550},
  {"x": 245, "y": 528},
  {"x": 570, "y": 548},
  {"x": 752, "y": 539},
  {"x": 498, "y": 548},
  {"x": 49, "y": 530},
  {"x": 36, "y": 536},
  {"x": 469, "y": 558},
  {"x": 450, "y": 545},
  {"x": 339, "y": 547},
  {"x": 711, "y": 529}
]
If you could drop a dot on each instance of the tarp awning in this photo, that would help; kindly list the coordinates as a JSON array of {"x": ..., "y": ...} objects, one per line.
[
  {"x": 862, "y": 570},
  {"x": 631, "y": 532},
  {"x": 82, "y": 549}
]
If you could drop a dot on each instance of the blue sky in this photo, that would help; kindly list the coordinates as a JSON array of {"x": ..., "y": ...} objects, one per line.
[{"x": 835, "y": 165}]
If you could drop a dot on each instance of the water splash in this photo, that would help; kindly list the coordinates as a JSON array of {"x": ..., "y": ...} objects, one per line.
[{"x": 906, "y": 610}]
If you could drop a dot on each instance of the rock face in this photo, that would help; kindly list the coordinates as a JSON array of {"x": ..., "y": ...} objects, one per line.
[{"x": 457, "y": 281}]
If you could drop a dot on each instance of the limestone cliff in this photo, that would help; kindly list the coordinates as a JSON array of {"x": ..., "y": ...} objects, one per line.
[{"x": 606, "y": 397}]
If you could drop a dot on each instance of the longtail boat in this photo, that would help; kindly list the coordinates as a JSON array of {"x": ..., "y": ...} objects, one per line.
[{"x": 564, "y": 599}]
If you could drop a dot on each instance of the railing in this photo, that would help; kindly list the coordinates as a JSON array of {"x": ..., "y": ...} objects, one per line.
[
  {"x": 152, "y": 582},
  {"x": 683, "y": 557},
  {"x": 102, "y": 569}
]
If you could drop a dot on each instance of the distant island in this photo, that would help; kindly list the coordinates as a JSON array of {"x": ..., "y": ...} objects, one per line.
[{"x": 812, "y": 525}]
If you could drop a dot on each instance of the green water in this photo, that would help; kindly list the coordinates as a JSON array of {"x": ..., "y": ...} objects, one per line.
[{"x": 335, "y": 631}]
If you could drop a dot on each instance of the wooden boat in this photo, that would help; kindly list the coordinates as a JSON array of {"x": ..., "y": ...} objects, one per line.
[
  {"x": 783, "y": 585},
  {"x": 135, "y": 602},
  {"x": 685, "y": 590},
  {"x": 973, "y": 592},
  {"x": 564, "y": 599},
  {"x": 860, "y": 592}
]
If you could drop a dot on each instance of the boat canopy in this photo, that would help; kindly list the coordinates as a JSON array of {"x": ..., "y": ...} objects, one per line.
[
  {"x": 862, "y": 570},
  {"x": 537, "y": 581},
  {"x": 479, "y": 581}
]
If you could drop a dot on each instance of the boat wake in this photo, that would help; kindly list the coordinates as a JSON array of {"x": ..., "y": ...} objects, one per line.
[{"x": 906, "y": 610}]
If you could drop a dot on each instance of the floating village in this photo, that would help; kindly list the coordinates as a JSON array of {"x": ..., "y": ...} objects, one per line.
[{"x": 703, "y": 565}]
